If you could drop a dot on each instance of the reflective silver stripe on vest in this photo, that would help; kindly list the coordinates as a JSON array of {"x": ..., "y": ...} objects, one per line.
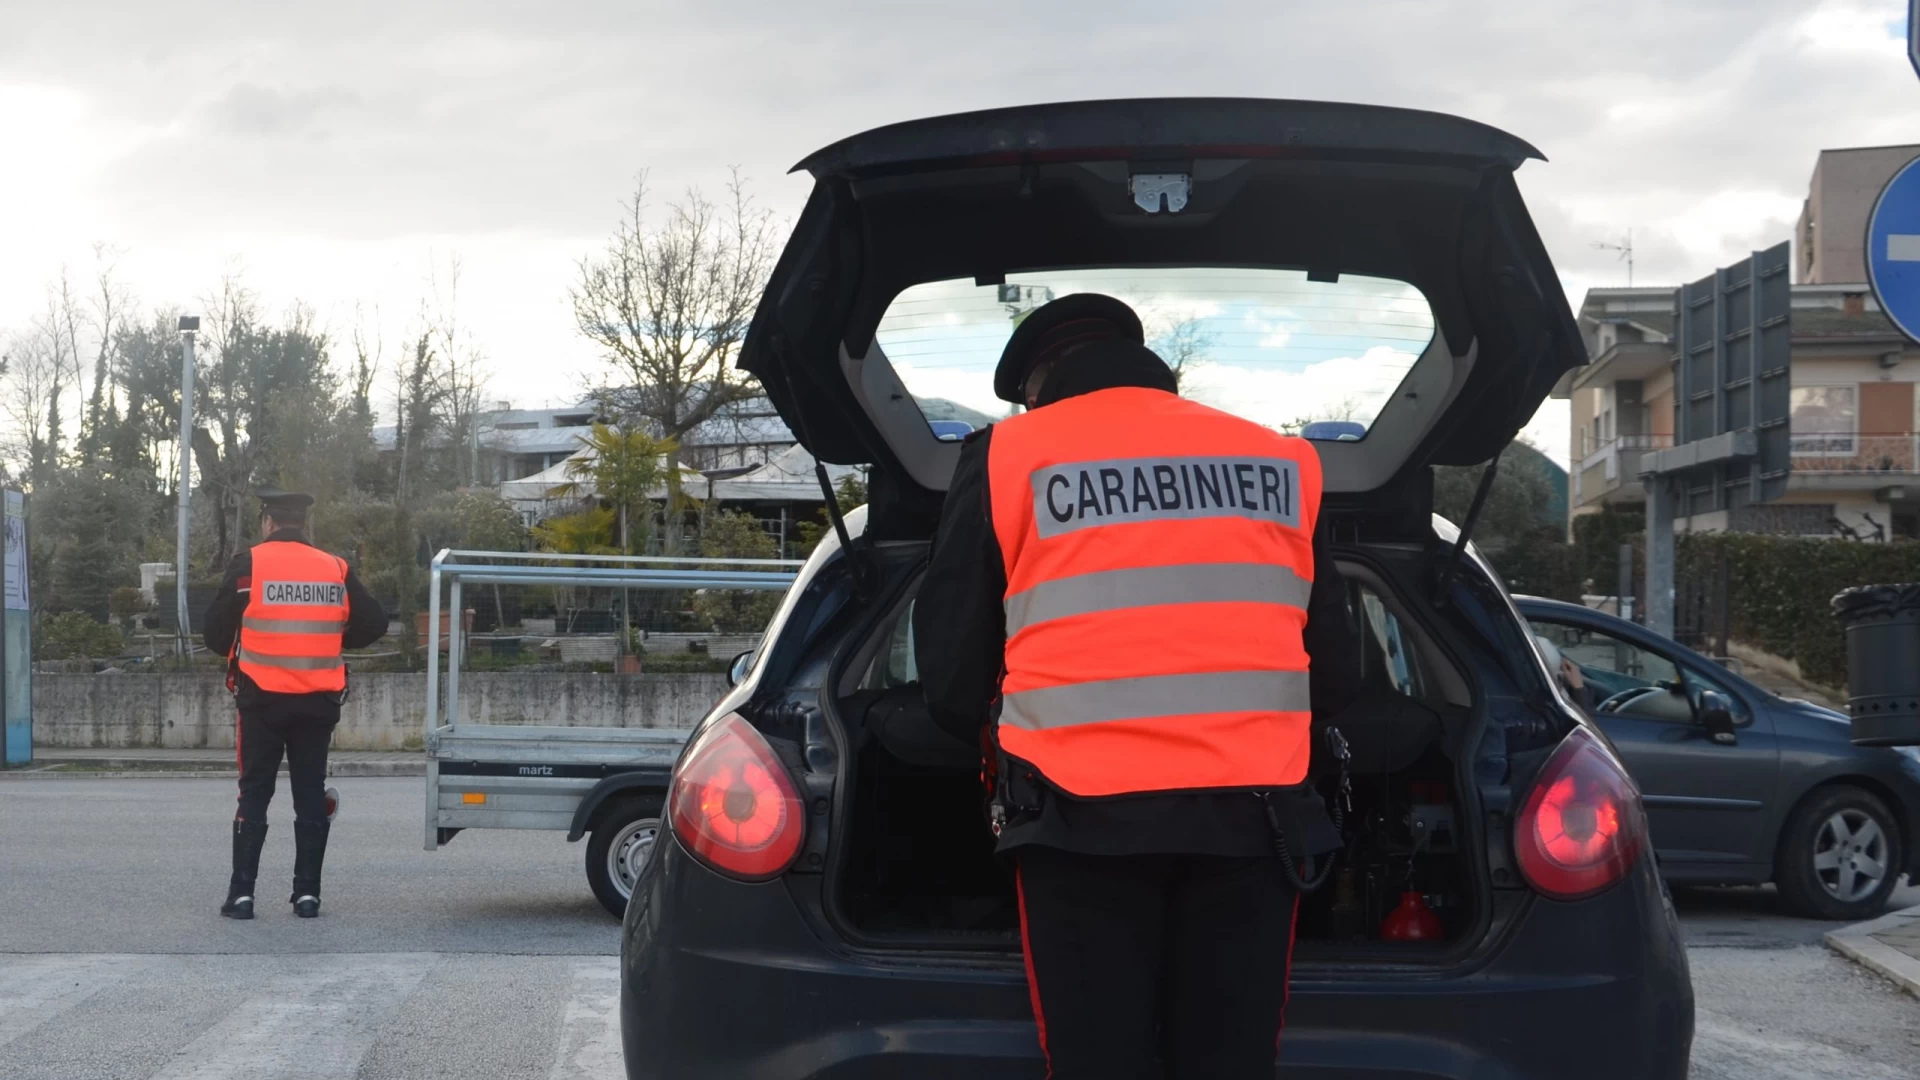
[
  {"x": 1082, "y": 494},
  {"x": 1156, "y": 695},
  {"x": 1151, "y": 586},
  {"x": 290, "y": 663},
  {"x": 291, "y": 626}
]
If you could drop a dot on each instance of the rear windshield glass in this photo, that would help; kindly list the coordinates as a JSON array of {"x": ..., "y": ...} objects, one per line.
[{"x": 1314, "y": 358}]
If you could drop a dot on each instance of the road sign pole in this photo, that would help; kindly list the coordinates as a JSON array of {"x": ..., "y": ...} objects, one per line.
[
  {"x": 1913, "y": 35},
  {"x": 188, "y": 325},
  {"x": 1660, "y": 500}
]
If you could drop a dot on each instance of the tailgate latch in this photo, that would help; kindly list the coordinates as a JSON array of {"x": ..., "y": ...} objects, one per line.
[{"x": 1149, "y": 189}]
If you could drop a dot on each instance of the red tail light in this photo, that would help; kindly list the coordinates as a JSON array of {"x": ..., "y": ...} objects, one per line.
[
  {"x": 1582, "y": 827},
  {"x": 734, "y": 806}
]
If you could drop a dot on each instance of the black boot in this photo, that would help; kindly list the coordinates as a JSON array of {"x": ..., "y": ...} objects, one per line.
[
  {"x": 309, "y": 852},
  {"x": 248, "y": 838}
]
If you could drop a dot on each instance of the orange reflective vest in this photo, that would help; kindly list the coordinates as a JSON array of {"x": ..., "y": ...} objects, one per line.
[
  {"x": 289, "y": 639},
  {"x": 1159, "y": 555}
]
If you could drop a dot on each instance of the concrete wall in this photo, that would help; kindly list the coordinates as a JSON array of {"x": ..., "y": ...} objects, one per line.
[{"x": 384, "y": 712}]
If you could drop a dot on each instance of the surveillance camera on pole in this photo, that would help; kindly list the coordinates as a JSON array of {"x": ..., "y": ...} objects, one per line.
[{"x": 189, "y": 325}]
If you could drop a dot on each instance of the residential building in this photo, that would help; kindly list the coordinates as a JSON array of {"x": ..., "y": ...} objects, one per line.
[
  {"x": 1830, "y": 236},
  {"x": 745, "y": 459},
  {"x": 1855, "y": 454},
  {"x": 509, "y": 443},
  {"x": 516, "y": 443},
  {"x": 1854, "y": 418}
]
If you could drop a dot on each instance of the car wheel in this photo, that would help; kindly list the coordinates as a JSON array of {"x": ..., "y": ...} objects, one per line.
[
  {"x": 1840, "y": 855},
  {"x": 619, "y": 849}
]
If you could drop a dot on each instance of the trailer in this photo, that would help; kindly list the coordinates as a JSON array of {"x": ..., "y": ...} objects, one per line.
[{"x": 609, "y": 783}]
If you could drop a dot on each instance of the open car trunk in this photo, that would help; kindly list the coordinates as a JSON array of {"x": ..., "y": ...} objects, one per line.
[
  {"x": 916, "y": 867},
  {"x": 1382, "y": 256}
]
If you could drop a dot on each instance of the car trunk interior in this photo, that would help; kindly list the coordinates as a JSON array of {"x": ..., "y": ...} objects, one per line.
[{"x": 916, "y": 867}]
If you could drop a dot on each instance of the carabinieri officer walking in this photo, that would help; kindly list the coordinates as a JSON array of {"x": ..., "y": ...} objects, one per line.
[{"x": 283, "y": 614}]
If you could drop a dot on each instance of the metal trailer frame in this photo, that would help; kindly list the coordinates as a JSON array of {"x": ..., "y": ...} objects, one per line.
[{"x": 536, "y": 777}]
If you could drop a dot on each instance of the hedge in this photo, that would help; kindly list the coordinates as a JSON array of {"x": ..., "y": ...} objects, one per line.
[
  {"x": 1597, "y": 539},
  {"x": 1540, "y": 565},
  {"x": 1780, "y": 588},
  {"x": 75, "y": 635}
]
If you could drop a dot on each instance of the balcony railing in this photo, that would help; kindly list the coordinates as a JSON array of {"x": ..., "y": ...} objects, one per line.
[
  {"x": 1591, "y": 447},
  {"x": 1612, "y": 463},
  {"x": 1855, "y": 452}
]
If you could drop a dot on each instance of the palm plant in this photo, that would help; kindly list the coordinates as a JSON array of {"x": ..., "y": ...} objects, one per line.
[
  {"x": 588, "y": 532},
  {"x": 625, "y": 465}
]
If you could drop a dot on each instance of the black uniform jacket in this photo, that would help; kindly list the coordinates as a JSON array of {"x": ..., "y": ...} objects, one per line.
[
  {"x": 959, "y": 626},
  {"x": 366, "y": 624}
]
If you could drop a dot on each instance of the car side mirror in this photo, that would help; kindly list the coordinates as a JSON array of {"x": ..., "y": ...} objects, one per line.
[
  {"x": 738, "y": 666},
  {"x": 1716, "y": 715}
]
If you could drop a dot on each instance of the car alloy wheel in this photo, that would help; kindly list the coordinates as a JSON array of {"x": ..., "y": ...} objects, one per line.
[{"x": 1850, "y": 855}]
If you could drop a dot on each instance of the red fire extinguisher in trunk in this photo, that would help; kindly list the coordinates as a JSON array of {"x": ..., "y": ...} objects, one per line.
[{"x": 1413, "y": 920}]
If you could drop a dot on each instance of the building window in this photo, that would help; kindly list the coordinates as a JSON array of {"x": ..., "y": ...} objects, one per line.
[{"x": 1825, "y": 419}]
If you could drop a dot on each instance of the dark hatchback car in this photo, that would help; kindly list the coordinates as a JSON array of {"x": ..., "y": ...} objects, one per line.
[
  {"x": 1743, "y": 786},
  {"x": 825, "y": 901}
]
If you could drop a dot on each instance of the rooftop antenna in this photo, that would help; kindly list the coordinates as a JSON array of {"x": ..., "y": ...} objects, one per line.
[{"x": 1625, "y": 248}]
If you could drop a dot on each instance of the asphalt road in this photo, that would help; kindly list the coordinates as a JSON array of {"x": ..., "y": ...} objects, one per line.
[{"x": 489, "y": 958}]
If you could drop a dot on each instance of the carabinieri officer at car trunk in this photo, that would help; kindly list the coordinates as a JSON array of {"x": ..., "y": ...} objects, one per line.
[
  {"x": 283, "y": 614},
  {"x": 1130, "y": 587}
]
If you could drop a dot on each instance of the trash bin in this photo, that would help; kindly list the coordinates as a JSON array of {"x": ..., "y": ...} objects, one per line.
[{"x": 1883, "y": 662}]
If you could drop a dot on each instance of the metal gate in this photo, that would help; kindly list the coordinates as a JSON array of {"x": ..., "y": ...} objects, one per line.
[{"x": 1702, "y": 616}]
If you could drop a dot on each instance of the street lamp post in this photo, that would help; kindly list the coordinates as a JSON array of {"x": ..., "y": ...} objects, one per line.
[{"x": 189, "y": 324}]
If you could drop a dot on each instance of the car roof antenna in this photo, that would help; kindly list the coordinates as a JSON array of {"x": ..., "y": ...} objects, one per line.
[{"x": 1445, "y": 580}]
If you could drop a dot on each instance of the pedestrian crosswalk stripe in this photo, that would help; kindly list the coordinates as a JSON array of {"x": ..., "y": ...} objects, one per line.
[
  {"x": 315, "y": 1024},
  {"x": 35, "y": 989},
  {"x": 590, "y": 1030},
  {"x": 308, "y": 1017}
]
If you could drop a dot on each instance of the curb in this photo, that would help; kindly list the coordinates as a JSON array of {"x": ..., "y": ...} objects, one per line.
[{"x": 1858, "y": 944}]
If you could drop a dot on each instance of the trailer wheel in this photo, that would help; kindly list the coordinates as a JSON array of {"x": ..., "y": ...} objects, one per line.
[{"x": 618, "y": 851}]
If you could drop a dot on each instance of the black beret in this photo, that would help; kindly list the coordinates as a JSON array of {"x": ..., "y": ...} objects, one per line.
[
  {"x": 272, "y": 499},
  {"x": 1069, "y": 320}
]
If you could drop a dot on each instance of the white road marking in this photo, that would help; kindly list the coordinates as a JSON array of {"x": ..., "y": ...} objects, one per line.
[
  {"x": 590, "y": 1030},
  {"x": 35, "y": 989},
  {"x": 1903, "y": 247},
  {"x": 313, "y": 1025}
]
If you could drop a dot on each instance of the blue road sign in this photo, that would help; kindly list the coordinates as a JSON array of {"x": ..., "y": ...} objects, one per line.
[{"x": 1893, "y": 249}]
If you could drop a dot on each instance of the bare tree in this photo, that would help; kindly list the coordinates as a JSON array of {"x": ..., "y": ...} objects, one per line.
[
  {"x": 417, "y": 401},
  {"x": 222, "y": 394},
  {"x": 1184, "y": 345},
  {"x": 32, "y": 379},
  {"x": 668, "y": 305},
  {"x": 461, "y": 375},
  {"x": 41, "y": 363},
  {"x": 369, "y": 349},
  {"x": 60, "y": 326},
  {"x": 109, "y": 303}
]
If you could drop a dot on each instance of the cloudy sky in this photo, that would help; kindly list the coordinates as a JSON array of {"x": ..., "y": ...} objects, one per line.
[{"x": 338, "y": 152}]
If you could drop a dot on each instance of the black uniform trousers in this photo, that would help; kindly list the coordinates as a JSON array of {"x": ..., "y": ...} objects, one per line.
[
  {"x": 267, "y": 734},
  {"x": 1156, "y": 965}
]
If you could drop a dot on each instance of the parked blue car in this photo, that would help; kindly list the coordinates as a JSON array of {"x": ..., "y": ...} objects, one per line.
[{"x": 1776, "y": 791}]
